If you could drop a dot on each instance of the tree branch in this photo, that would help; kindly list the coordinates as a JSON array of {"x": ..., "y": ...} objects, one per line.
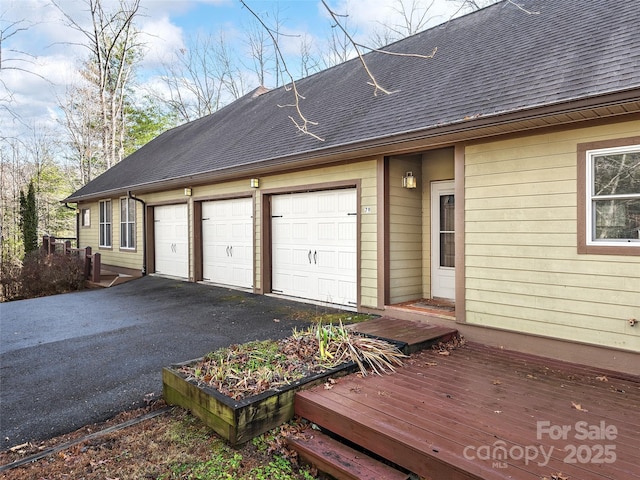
[{"x": 302, "y": 123}]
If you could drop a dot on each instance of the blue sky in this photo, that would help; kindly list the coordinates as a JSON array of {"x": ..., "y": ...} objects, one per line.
[{"x": 46, "y": 48}]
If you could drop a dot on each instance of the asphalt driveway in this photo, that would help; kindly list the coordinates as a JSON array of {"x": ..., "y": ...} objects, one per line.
[{"x": 70, "y": 360}]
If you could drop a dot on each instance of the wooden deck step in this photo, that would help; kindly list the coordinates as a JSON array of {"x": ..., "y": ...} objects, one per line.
[
  {"x": 437, "y": 414},
  {"x": 341, "y": 461},
  {"x": 416, "y": 335}
]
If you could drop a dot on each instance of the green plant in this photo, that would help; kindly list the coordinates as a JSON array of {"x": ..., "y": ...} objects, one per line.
[
  {"x": 244, "y": 370},
  {"x": 29, "y": 219},
  {"x": 337, "y": 344}
]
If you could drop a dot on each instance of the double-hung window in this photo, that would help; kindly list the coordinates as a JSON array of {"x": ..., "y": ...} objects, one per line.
[
  {"x": 105, "y": 223},
  {"x": 612, "y": 199},
  {"x": 127, "y": 223}
]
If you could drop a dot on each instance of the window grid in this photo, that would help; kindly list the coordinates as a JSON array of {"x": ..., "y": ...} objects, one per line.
[
  {"x": 127, "y": 223},
  {"x": 105, "y": 223},
  {"x": 613, "y": 196}
]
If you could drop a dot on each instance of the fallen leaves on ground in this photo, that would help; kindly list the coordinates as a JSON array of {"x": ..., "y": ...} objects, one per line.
[
  {"x": 166, "y": 447},
  {"x": 578, "y": 407}
]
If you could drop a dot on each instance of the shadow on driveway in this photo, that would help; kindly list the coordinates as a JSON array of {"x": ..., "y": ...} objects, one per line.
[{"x": 79, "y": 358}]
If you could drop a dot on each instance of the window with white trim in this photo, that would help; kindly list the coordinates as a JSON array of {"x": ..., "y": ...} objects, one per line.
[
  {"x": 613, "y": 196},
  {"x": 105, "y": 223},
  {"x": 127, "y": 223}
]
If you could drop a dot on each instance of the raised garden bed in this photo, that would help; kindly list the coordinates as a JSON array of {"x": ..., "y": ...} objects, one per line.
[
  {"x": 238, "y": 421},
  {"x": 245, "y": 390}
]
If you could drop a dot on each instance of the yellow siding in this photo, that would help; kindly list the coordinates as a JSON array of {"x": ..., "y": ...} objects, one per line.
[
  {"x": 113, "y": 256},
  {"x": 363, "y": 171},
  {"x": 523, "y": 272},
  {"x": 405, "y": 231}
]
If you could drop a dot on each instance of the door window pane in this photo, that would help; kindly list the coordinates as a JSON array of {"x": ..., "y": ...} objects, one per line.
[{"x": 447, "y": 231}]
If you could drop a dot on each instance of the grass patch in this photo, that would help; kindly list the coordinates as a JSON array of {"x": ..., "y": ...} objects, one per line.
[{"x": 172, "y": 446}]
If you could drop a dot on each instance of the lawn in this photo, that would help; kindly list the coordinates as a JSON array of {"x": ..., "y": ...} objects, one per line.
[{"x": 172, "y": 445}]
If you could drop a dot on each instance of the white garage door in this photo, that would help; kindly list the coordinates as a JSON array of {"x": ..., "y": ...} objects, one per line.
[
  {"x": 171, "y": 237},
  {"x": 227, "y": 242},
  {"x": 314, "y": 249}
]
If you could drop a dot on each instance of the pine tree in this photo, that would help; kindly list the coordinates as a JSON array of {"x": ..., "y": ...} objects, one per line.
[{"x": 29, "y": 219}]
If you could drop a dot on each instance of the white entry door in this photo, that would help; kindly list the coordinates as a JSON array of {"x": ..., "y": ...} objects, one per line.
[
  {"x": 443, "y": 247},
  {"x": 314, "y": 245},
  {"x": 227, "y": 242},
  {"x": 171, "y": 239}
]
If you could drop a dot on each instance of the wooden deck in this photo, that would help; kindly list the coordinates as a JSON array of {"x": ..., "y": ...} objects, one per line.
[
  {"x": 417, "y": 335},
  {"x": 484, "y": 413}
]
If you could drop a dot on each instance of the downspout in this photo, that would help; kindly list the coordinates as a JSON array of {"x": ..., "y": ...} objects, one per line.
[
  {"x": 144, "y": 231},
  {"x": 66, "y": 204}
]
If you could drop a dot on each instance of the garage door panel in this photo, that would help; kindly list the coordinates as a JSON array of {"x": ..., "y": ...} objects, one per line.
[
  {"x": 171, "y": 234},
  {"x": 227, "y": 242},
  {"x": 319, "y": 230}
]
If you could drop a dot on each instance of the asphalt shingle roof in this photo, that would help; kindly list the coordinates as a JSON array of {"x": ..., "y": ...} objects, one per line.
[{"x": 497, "y": 60}]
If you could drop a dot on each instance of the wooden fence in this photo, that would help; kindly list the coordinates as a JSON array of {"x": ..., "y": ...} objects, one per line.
[{"x": 91, "y": 261}]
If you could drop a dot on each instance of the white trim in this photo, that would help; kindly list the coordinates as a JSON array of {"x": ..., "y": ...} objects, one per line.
[
  {"x": 443, "y": 279},
  {"x": 589, "y": 198},
  {"x": 101, "y": 224},
  {"x": 127, "y": 222}
]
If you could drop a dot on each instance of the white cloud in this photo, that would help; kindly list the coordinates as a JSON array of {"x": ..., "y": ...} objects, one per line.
[
  {"x": 367, "y": 16},
  {"x": 161, "y": 37}
]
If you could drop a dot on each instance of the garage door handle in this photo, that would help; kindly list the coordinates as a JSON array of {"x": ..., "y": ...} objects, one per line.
[
  {"x": 227, "y": 250},
  {"x": 315, "y": 257},
  {"x": 309, "y": 257},
  {"x": 231, "y": 251}
]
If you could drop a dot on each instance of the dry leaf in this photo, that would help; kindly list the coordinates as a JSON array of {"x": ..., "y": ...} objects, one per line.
[
  {"x": 532, "y": 376},
  {"x": 603, "y": 378},
  {"x": 497, "y": 382},
  {"x": 276, "y": 320},
  {"x": 328, "y": 386},
  {"x": 559, "y": 476},
  {"x": 431, "y": 364},
  {"x": 19, "y": 447},
  {"x": 383, "y": 393},
  {"x": 444, "y": 353},
  {"x": 497, "y": 411},
  {"x": 578, "y": 407}
]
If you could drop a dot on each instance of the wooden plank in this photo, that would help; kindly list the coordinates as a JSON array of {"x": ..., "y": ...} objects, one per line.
[
  {"x": 401, "y": 443},
  {"x": 476, "y": 396},
  {"x": 341, "y": 461},
  {"x": 403, "y": 330}
]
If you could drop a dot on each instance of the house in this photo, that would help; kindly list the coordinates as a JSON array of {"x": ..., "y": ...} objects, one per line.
[{"x": 502, "y": 175}]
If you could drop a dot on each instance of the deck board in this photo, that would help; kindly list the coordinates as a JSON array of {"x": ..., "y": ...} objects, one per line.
[
  {"x": 477, "y": 396},
  {"x": 416, "y": 335}
]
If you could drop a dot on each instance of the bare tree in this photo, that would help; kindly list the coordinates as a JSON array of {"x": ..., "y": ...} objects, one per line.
[
  {"x": 13, "y": 59},
  {"x": 200, "y": 78},
  {"x": 413, "y": 17},
  {"x": 112, "y": 41},
  {"x": 309, "y": 63},
  {"x": 265, "y": 61},
  {"x": 84, "y": 135},
  {"x": 339, "y": 47},
  {"x": 471, "y": 5}
]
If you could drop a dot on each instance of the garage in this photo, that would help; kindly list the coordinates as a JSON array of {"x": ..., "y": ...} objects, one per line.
[
  {"x": 227, "y": 242},
  {"x": 314, "y": 245},
  {"x": 171, "y": 240}
]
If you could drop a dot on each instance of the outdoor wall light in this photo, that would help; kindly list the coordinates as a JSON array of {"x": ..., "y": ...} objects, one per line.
[
  {"x": 187, "y": 192},
  {"x": 409, "y": 181},
  {"x": 254, "y": 183}
]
